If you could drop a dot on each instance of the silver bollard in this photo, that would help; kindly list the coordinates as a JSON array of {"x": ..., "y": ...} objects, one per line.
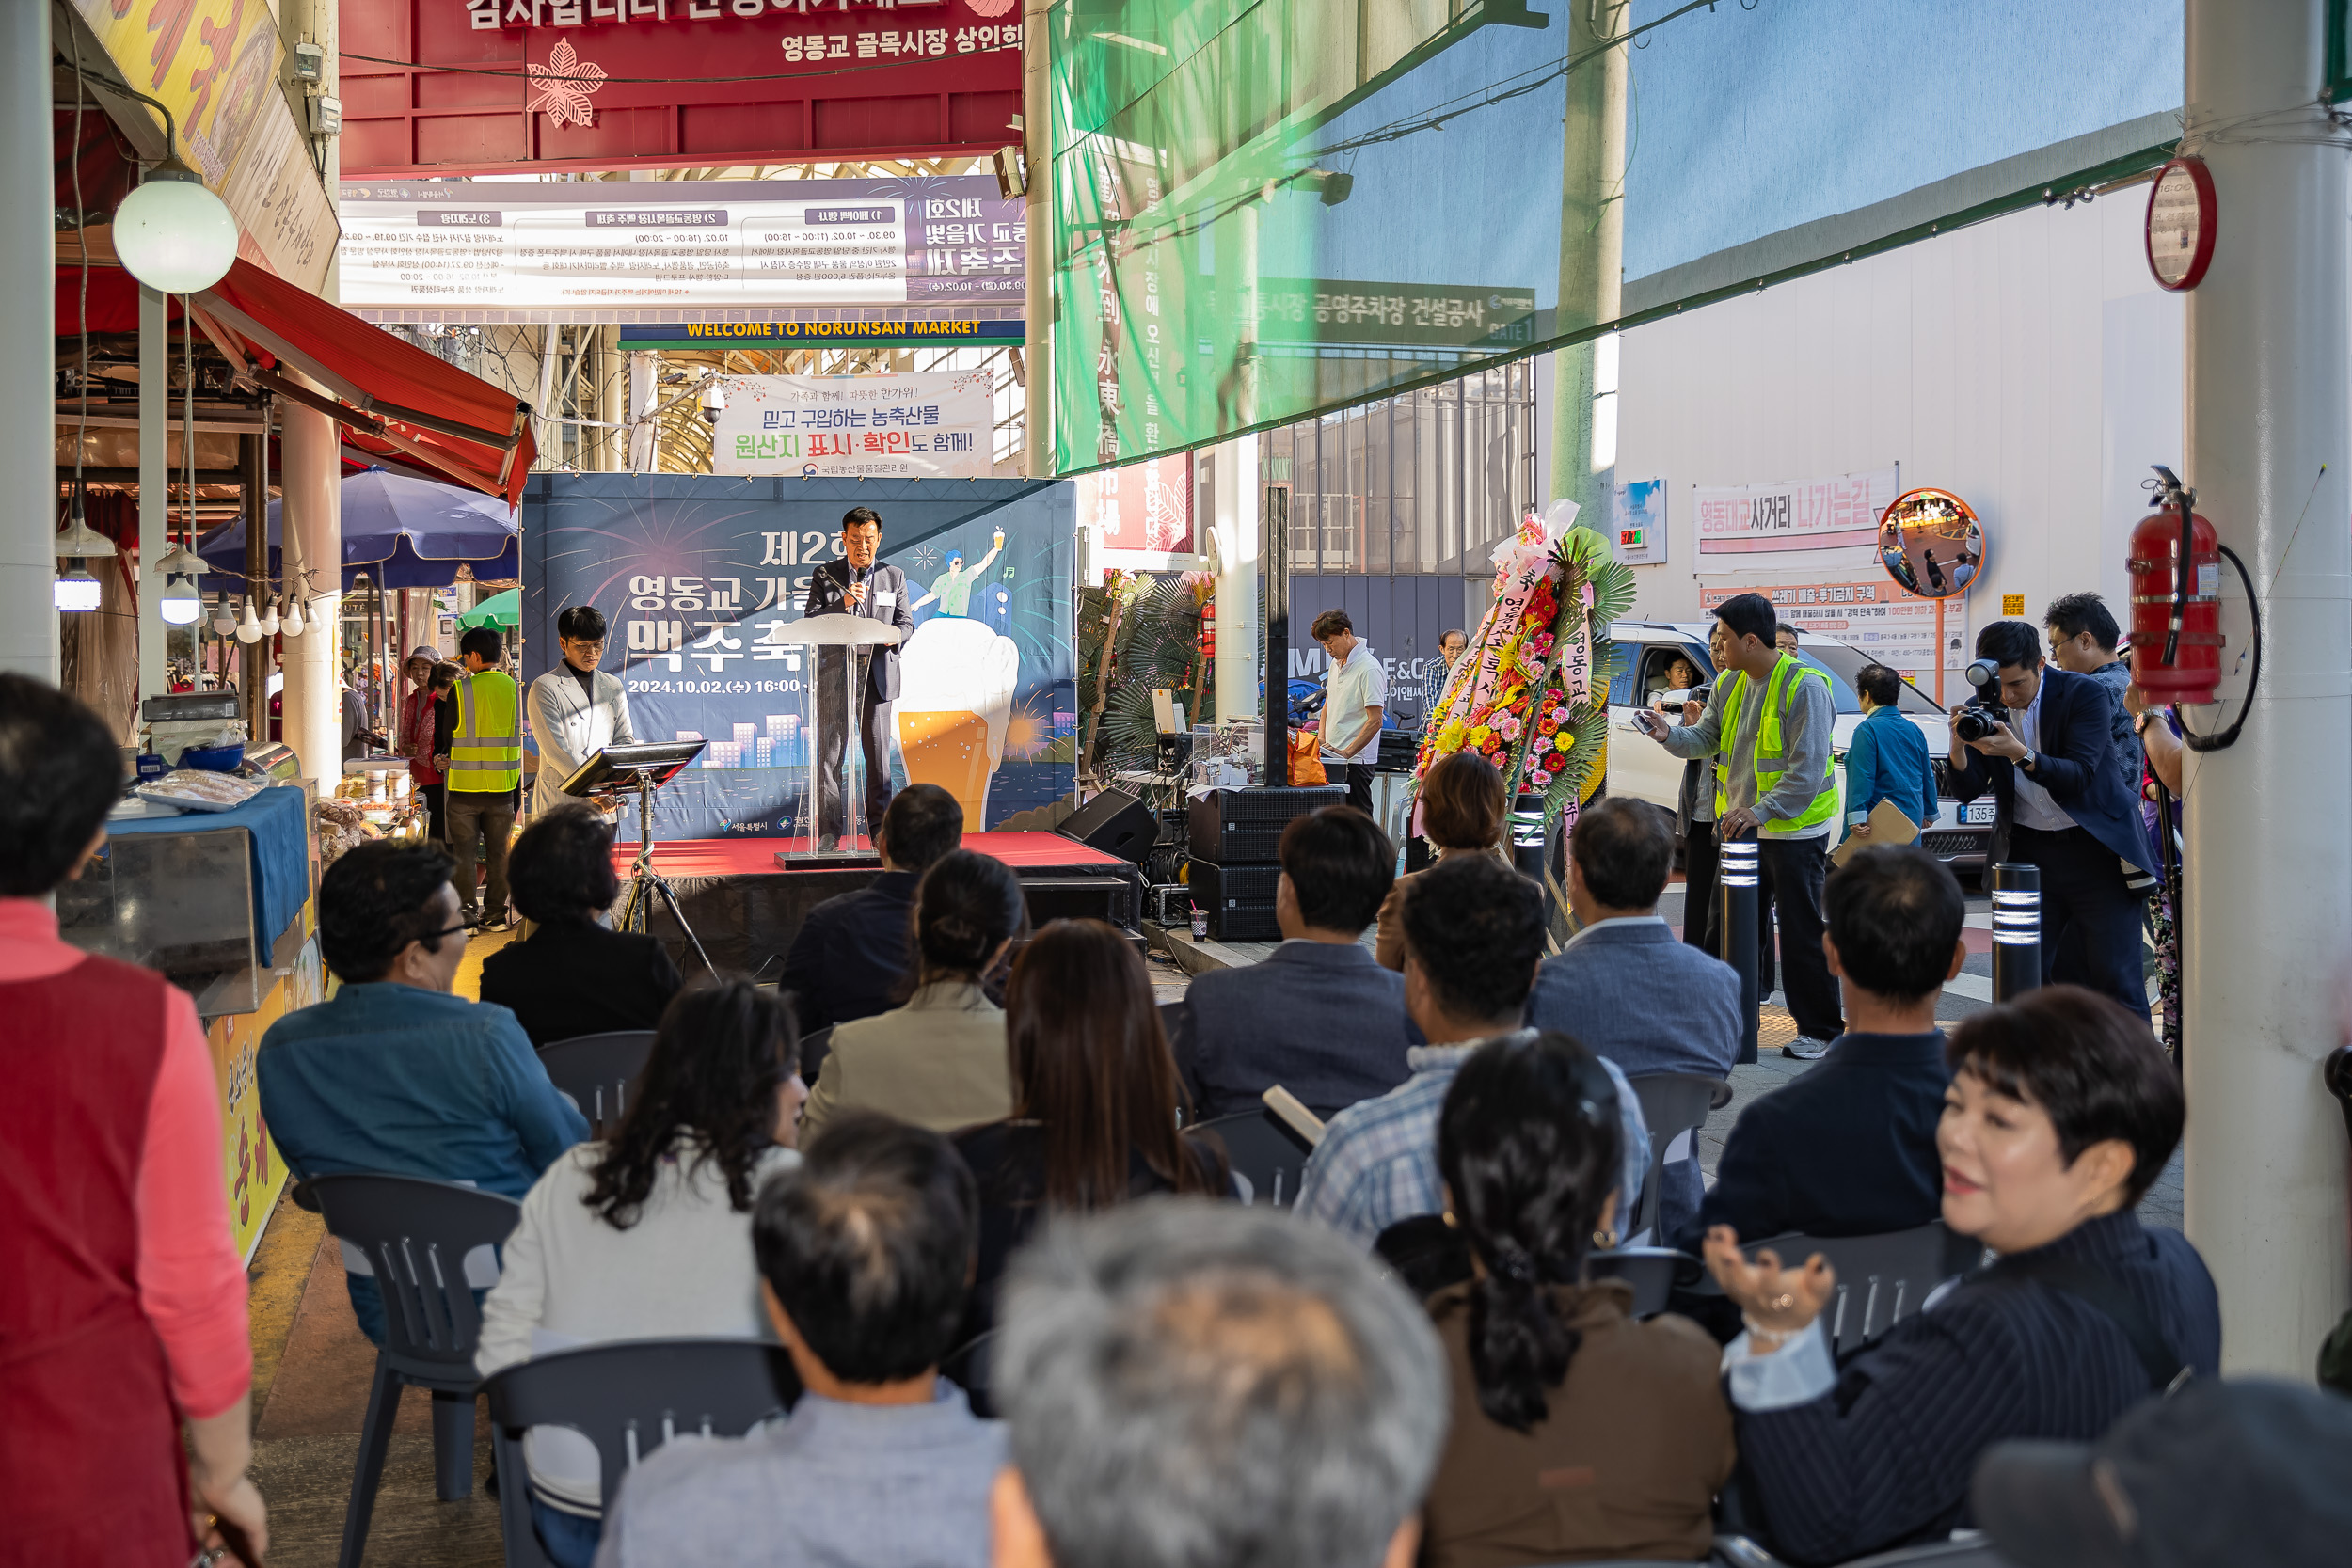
[
  {"x": 1737, "y": 880},
  {"x": 2016, "y": 929}
]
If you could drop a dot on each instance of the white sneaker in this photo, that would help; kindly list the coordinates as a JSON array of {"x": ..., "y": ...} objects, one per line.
[{"x": 1804, "y": 1048}]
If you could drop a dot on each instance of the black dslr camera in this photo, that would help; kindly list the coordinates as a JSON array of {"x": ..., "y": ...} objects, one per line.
[{"x": 1984, "y": 710}]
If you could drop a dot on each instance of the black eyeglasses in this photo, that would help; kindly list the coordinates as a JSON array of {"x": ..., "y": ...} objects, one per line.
[{"x": 444, "y": 931}]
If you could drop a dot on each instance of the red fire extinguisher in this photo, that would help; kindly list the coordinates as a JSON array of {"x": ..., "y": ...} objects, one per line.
[{"x": 2176, "y": 614}]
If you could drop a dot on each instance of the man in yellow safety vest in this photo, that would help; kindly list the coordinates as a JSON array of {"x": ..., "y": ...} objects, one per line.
[
  {"x": 478, "y": 742},
  {"x": 1777, "y": 785}
]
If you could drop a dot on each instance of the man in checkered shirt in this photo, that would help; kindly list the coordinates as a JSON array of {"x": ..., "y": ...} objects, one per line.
[{"x": 1473, "y": 934}]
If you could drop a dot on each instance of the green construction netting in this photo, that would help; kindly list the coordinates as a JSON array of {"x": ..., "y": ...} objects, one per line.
[{"x": 1267, "y": 209}]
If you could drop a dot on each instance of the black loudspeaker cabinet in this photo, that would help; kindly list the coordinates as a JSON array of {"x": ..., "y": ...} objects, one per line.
[
  {"x": 1243, "y": 827},
  {"x": 1115, "y": 824},
  {"x": 1238, "y": 899}
]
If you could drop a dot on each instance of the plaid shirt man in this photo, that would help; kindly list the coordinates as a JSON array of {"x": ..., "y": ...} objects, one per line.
[{"x": 1377, "y": 1163}]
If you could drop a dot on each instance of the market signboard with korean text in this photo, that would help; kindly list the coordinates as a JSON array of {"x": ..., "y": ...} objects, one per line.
[
  {"x": 458, "y": 86},
  {"x": 928, "y": 425},
  {"x": 1818, "y": 525},
  {"x": 899, "y": 328},
  {"x": 1306, "y": 311},
  {"x": 1872, "y": 615},
  {"x": 670, "y": 252}
]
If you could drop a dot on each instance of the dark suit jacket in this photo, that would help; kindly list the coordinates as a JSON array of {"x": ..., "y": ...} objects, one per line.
[
  {"x": 2077, "y": 765},
  {"x": 1325, "y": 1022},
  {"x": 828, "y": 595},
  {"x": 1650, "y": 1002},
  {"x": 1848, "y": 1149},
  {"x": 578, "y": 979},
  {"x": 850, "y": 953}
]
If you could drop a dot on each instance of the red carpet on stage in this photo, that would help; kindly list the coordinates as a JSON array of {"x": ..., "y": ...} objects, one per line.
[{"x": 756, "y": 857}]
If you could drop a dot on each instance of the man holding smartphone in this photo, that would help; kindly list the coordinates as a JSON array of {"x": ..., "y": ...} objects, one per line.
[{"x": 1770, "y": 716}]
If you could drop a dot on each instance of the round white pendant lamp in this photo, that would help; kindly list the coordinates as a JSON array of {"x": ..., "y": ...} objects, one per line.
[
  {"x": 174, "y": 235},
  {"x": 293, "y": 624},
  {"x": 75, "y": 591},
  {"x": 179, "y": 601},
  {"x": 249, "y": 627}
]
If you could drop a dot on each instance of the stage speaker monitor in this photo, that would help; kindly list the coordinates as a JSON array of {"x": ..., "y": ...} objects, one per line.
[
  {"x": 1239, "y": 826},
  {"x": 1115, "y": 824}
]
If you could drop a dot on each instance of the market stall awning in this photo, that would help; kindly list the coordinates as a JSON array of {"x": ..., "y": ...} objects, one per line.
[
  {"x": 397, "y": 399},
  {"x": 403, "y": 532},
  {"x": 499, "y": 612}
]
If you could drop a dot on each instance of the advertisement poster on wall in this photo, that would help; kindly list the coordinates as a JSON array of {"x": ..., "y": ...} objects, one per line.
[
  {"x": 1141, "y": 514},
  {"x": 1875, "y": 617},
  {"x": 1824, "y": 526},
  {"x": 921, "y": 425},
  {"x": 700, "y": 579}
]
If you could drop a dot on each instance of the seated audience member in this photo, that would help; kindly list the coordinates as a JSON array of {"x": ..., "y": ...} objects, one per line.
[
  {"x": 1096, "y": 1103},
  {"x": 393, "y": 1074},
  {"x": 649, "y": 1236},
  {"x": 938, "y": 1061},
  {"x": 864, "y": 1251},
  {"x": 572, "y": 976},
  {"x": 1887, "y": 759},
  {"x": 1319, "y": 1017},
  {"x": 123, "y": 1314},
  {"x": 1462, "y": 810},
  {"x": 1577, "y": 1433},
  {"x": 1628, "y": 987},
  {"x": 1473, "y": 933},
  {"x": 852, "y": 951},
  {"x": 1848, "y": 1149},
  {"x": 2062, "y": 1110},
  {"x": 1193, "y": 1385}
]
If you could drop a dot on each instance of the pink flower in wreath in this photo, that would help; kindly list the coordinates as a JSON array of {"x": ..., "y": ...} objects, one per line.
[{"x": 1508, "y": 726}]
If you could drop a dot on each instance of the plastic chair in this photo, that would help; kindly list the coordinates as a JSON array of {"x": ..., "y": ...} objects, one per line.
[
  {"x": 429, "y": 1246},
  {"x": 628, "y": 1398},
  {"x": 1267, "y": 1156},
  {"x": 598, "y": 1073},
  {"x": 1969, "y": 1549},
  {"x": 968, "y": 1367},
  {"x": 1673, "y": 1103},
  {"x": 1881, "y": 1279},
  {"x": 814, "y": 1046},
  {"x": 1652, "y": 1271}
]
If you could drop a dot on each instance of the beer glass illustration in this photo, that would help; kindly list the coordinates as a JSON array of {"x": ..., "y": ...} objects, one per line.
[{"x": 957, "y": 679}]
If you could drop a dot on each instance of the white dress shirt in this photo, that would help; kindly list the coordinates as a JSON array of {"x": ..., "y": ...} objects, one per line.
[{"x": 2033, "y": 806}]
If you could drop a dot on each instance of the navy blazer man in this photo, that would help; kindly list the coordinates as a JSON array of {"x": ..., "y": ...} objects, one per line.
[
  {"x": 1320, "y": 1018},
  {"x": 857, "y": 584},
  {"x": 2061, "y": 805}
]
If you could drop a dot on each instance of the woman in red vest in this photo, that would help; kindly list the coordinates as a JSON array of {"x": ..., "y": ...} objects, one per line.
[{"x": 121, "y": 1293}]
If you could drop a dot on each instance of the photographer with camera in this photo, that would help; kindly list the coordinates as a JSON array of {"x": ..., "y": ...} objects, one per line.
[
  {"x": 2042, "y": 738},
  {"x": 1769, "y": 716}
]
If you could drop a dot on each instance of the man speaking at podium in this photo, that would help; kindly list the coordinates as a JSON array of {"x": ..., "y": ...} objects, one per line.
[{"x": 855, "y": 585}]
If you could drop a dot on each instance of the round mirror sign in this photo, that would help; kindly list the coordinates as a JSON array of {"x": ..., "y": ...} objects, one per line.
[
  {"x": 2181, "y": 224},
  {"x": 1930, "y": 543}
]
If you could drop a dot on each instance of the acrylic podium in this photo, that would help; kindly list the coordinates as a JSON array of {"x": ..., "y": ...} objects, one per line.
[{"x": 846, "y": 643}]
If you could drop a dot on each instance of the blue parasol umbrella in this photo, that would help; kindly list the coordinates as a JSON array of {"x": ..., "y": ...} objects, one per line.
[{"x": 399, "y": 532}]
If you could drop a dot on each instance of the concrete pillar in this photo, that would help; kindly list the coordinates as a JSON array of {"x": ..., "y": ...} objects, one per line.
[
  {"x": 154, "y": 486},
  {"x": 1592, "y": 251},
  {"x": 312, "y": 485},
  {"x": 1230, "y": 507},
  {"x": 28, "y": 329},
  {"x": 1037, "y": 136},
  {"x": 2269, "y": 899}
]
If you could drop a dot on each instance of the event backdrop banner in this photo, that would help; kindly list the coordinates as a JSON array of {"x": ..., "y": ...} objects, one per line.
[
  {"x": 1828, "y": 526},
  {"x": 920, "y": 425},
  {"x": 1896, "y": 629},
  {"x": 700, "y": 579},
  {"x": 701, "y": 249}
]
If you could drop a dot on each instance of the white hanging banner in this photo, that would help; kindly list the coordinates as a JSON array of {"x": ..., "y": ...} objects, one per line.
[
  {"x": 1826, "y": 525},
  {"x": 928, "y": 425}
]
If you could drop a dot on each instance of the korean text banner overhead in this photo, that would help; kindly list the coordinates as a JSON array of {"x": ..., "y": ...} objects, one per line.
[
  {"x": 682, "y": 251},
  {"x": 1269, "y": 209},
  {"x": 921, "y": 425}
]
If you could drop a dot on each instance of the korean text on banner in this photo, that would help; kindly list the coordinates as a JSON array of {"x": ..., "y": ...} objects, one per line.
[
  {"x": 1820, "y": 524},
  {"x": 1873, "y": 616},
  {"x": 1141, "y": 514},
  {"x": 937, "y": 425}
]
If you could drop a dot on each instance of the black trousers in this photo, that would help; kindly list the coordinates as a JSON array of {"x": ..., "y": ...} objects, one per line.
[
  {"x": 2089, "y": 916},
  {"x": 435, "y": 812},
  {"x": 1793, "y": 872},
  {"x": 833, "y": 733},
  {"x": 1357, "y": 776}
]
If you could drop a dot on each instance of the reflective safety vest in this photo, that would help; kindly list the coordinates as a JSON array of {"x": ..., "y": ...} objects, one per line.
[
  {"x": 1771, "y": 748},
  {"x": 485, "y": 756}
]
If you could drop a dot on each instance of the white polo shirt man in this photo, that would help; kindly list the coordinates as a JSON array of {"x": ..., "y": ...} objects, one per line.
[{"x": 1355, "y": 690}]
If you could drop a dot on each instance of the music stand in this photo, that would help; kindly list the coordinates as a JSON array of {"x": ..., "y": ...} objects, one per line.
[{"x": 639, "y": 769}]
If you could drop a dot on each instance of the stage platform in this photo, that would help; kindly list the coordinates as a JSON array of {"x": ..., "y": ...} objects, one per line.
[{"x": 746, "y": 907}]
